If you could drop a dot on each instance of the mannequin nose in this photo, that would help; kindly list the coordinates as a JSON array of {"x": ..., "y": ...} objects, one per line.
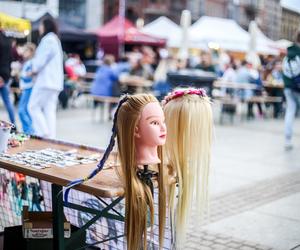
[{"x": 163, "y": 127}]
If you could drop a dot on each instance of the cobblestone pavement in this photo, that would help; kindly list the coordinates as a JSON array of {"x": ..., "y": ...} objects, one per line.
[
  {"x": 204, "y": 240},
  {"x": 247, "y": 198}
]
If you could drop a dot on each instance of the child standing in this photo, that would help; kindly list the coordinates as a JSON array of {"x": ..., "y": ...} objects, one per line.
[{"x": 26, "y": 84}]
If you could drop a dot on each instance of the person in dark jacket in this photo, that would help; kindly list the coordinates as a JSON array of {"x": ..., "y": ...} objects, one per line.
[
  {"x": 291, "y": 78},
  {"x": 5, "y": 60},
  {"x": 206, "y": 63}
]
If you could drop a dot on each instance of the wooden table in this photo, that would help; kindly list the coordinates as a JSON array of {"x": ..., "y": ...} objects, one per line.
[
  {"x": 138, "y": 82},
  {"x": 89, "y": 76},
  {"x": 234, "y": 85},
  {"x": 105, "y": 184},
  {"x": 272, "y": 85},
  {"x": 265, "y": 99},
  {"x": 107, "y": 101}
]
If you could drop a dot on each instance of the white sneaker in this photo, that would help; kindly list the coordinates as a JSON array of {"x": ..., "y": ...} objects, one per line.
[{"x": 288, "y": 146}]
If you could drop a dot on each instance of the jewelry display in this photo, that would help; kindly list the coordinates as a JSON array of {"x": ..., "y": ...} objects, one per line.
[{"x": 46, "y": 157}]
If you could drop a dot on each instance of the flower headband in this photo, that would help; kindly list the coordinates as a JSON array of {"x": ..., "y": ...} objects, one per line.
[{"x": 182, "y": 92}]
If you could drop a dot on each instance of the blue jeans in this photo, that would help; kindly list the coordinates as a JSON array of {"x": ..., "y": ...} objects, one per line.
[
  {"x": 292, "y": 101},
  {"x": 23, "y": 112},
  {"x": 4, "y": 91}
]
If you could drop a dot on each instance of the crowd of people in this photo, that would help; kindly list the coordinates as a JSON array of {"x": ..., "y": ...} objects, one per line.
[
  {"x": 155, "y": 66},
  {"x": 44, "y": 73},
  {"x": 39, "y": 76}
]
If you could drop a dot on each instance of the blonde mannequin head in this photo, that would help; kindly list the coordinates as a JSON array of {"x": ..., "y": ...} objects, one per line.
[
  {"x": 189, "y": 123},
  {"x": 138, "y": 196}
]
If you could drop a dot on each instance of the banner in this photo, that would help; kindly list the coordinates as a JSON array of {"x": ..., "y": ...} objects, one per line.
[{"x": 14, "y": 26}]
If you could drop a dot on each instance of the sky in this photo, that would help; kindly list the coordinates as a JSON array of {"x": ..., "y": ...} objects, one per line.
[{"x": 291, "y": 4}]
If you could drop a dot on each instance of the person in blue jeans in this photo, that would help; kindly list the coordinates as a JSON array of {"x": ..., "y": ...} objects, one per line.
[
  {"x": 291, "y": 79},
  {"x": 26, "y": 84},
  {"x": 5, "y": 60}
]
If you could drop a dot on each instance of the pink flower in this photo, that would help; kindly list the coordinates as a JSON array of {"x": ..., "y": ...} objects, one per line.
[{"x": 178, "y": 93}]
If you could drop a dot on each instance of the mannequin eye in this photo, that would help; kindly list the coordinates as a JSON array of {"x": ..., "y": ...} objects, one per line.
[{"x": 154, "y": 122}]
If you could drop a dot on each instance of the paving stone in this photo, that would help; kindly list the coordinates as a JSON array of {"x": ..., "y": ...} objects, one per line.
[
  {"x": 210, "y": 237},
  {"x": 201, "y": 248},
  {"x": 222, "y": 240},
  {"x": 246, "y": 248},
  {"x": 192, "y": 245},
  {"x": 260, "y": 247},
  {"x": 206, "y": 243},
  {"x": 218, "y": 247},
  {"x": 233, "y": 244}
]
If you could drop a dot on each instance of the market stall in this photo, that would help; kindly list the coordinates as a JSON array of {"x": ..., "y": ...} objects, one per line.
[
  {"x": 120, "y": 31},
  {"x": 210, "y": 32},
  {"x": 229, "y": 36}
]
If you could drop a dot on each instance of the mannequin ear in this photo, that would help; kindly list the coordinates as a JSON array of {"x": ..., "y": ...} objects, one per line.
[{"x": 136, "y": 132}]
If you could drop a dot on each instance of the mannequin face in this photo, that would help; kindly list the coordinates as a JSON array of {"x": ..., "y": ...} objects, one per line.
[{"x": 151, "y": 130}]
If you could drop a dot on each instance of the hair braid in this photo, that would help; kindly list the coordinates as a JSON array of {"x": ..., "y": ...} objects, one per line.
[{"x": 104, "y": 157}]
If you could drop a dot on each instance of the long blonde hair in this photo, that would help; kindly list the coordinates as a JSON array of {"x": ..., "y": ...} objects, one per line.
[
  {"x": 188, "y": 148},
  {"x": 138, "y": 196}
]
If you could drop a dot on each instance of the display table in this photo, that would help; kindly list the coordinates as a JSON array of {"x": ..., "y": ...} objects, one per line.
[
  {"x": 105, "y": 184},
  {"x": 138, "y": 83}
]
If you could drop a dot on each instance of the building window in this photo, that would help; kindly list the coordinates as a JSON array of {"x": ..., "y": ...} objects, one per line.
[{"x": 73, "y": 12}]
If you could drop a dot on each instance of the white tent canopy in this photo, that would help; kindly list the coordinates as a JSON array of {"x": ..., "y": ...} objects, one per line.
[
  {"x": 224, "y": 32},
  {"x": 163, "y": 27},
  {"x": 265, "y": 45},
  {"x": 228, "y": 35},
  {"x": 211, "y": 32},
  {"x": 283, "y": 43}
]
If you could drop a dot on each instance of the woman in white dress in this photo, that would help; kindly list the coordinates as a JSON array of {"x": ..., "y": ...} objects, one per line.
[{"x": 47, "y": 66}]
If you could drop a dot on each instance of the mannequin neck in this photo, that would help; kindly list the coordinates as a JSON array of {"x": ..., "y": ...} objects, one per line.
[{"x": 146, "y": 155}]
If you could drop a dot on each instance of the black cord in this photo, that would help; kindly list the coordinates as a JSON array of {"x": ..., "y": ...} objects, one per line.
[{"x": 146, "y": 175}]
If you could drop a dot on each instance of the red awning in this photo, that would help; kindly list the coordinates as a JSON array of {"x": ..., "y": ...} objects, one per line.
[{"x": 129, "y": 35}]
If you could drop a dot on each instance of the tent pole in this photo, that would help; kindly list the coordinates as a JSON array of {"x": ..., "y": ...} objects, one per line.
[{"x": 122, "y": 7}]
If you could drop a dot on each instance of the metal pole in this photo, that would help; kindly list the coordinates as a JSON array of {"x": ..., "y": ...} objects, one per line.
[
  {"x": 23, "y": 8},
  {"x": 122, "y": 6},
  {"x": 58, "y": 218}
]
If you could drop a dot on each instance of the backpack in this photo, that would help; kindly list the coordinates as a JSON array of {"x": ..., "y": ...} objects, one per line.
[{"x": 291, "y": 69}]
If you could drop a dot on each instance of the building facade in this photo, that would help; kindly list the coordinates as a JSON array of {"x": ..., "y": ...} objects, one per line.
[
  {"x": 290, "y": 24},
  {"x": 216, "y": 8},
  {"x": 145, "y": 9},
  {"x": 269, "y": 18},
  {"x": 273, "y": 19},
  {"x": 85, "y": 14},
  {"x": 267, "y": 14}
]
